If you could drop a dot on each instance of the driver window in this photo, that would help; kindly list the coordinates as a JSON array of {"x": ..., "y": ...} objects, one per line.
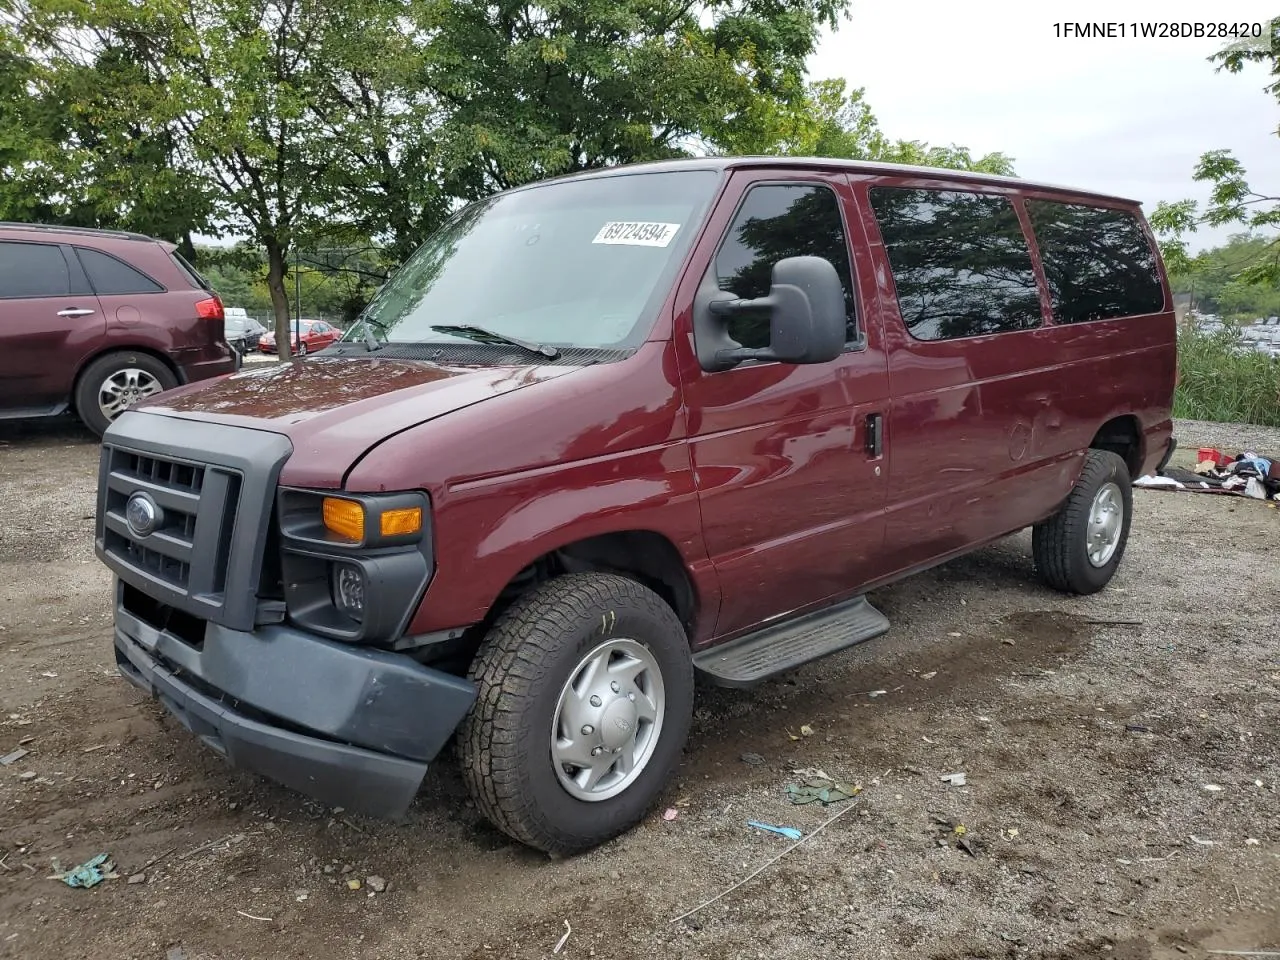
[{"x": 776, "y": 221}]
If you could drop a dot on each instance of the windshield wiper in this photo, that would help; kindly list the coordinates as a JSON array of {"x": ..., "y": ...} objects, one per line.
[
  {"x": 480, "y": 333},
  {"x": 370, "y": 341}
]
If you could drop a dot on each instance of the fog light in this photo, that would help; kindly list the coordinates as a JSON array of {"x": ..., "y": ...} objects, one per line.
[{"x": 348, "y": 590}]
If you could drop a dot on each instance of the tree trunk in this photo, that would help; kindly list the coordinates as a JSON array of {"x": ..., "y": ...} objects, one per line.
[{"x": 279, "y": 298}]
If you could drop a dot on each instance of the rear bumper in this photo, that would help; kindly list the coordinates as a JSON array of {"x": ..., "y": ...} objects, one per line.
[
  {"x": 193, "y": 372},
  {"x": 348, "y": 726}
]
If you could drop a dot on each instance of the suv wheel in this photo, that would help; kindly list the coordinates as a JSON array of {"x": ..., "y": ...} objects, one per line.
[
  {"x": 1078, "y": 549},
  {"x": 585, "y": 700},
  {"x": 116, "y": 381}
]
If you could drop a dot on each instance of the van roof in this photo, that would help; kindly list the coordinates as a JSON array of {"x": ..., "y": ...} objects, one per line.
[{"x": 871, "y": 167}]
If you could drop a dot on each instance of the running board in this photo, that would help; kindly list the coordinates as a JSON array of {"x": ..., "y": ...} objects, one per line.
[{"x": 765, "y": 653}]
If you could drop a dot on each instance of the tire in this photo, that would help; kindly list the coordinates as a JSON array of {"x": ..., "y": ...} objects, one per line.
[
  {"x": 302, "y": 349},
  {"x": 522, "y": 670},
  {"x": 134, "y": 375},
  {"x": 1066, "y": 557}
]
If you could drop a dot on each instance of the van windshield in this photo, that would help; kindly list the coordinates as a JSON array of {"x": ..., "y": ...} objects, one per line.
[{"x": 582, "y": 263}]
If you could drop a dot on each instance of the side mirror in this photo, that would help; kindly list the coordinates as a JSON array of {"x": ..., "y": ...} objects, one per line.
[{"x": 806, "y": 312}]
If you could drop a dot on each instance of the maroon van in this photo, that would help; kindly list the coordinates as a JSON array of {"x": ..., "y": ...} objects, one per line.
[
  {"x": 96, "y": 320},
  {"x": 607, "y": 433}
]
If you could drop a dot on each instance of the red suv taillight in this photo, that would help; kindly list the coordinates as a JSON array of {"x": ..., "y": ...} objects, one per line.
[{"x": 210, "y": 309}]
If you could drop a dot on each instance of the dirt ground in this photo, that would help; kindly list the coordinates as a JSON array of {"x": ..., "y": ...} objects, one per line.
[{"x": 1090, "y": 732}]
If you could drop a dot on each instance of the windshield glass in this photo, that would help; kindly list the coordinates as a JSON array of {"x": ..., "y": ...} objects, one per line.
[{"x": 578, "y": 264}]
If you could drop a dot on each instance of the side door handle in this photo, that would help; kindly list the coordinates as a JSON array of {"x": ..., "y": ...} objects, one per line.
[
  {"x": 76, "y": 312},
  {"x": 875, "y": 434}
]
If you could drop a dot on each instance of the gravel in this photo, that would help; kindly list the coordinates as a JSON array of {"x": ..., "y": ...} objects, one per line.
[
  {"x": 1087, "y": 729},
  {"x": 1230, "y": 438}
]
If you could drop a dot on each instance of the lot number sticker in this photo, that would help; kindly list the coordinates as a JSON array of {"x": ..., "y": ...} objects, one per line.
[{"x": 637, "y": 233}]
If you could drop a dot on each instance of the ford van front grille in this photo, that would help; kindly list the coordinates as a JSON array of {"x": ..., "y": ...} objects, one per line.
[
  {"x": 180, "y": 533},
  {"x": 184, "y": 510}
]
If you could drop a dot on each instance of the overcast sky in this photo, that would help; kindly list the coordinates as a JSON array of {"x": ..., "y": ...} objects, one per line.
[{"x": 1124, "y": 116}]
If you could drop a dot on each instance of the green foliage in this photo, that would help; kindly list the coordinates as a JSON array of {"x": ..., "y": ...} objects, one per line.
[
  {"x": 332, "y": 283},
  {"x": 831, "y": 120},
  {"x": 1221, "y": 281},
  {"x": 322, "y": 124},
  {"x": 1232, "y": 198},
  {"x": 1219, "y": 382}
]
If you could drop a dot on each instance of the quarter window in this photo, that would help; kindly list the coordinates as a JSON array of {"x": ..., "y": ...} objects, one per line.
[
  {"x": 1097, "y": 262},
  {"x": 960, "y": 262},
  {"x": 777, "y": 221},
  {"x": 32, "y": 270},
  {"x": 111, "y": 276}
]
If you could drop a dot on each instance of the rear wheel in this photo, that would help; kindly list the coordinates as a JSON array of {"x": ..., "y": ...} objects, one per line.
[
  {"x": 584, "y": 705},
  {"x": 116, "y": 381},
  {"x": 1078, "y": 549}
]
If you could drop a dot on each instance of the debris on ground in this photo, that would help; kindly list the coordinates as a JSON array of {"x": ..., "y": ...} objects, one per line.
[
  {"x": 353, "y": 884},
  {"x": 806, "y": 731},
  {"x": 301, "y": 895},
  {"x": 1213, "y": 787},
  {"x": 955, "y": 779},
  {"x": 789, "y": 832},
  {"x": 376, "y": 884},
  {"x": 564, "y": 938},
  {"x": 1245, "y": 475},
  {"x": 89, "y": 874},
  {"x": 10, "y": 758},
  {"x": 136, "y": 879},
  {"x": 175, "y": 953},
  {"x": 822, "y": 790},
  {"x": 27, "y": 775},
  {"x": 929, "y": 676},
  {"x": 752, "y": 759},
  {"x": 670, "y": 814}
]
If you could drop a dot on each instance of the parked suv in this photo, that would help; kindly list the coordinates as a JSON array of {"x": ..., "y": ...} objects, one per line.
[
  {"x": 95, "y": 320},
  {"x": 608, "y": 432}
]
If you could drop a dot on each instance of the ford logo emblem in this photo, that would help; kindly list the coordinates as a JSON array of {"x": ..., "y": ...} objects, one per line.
[
  {"x": 142, "y": 515},
  {"x": 622, "y": 724}
]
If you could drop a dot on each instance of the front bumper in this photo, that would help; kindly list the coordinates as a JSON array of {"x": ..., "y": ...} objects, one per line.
[{"x": 349, "y": 726}]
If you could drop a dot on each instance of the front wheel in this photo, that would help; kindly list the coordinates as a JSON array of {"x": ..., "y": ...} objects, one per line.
[
  {"x": 1078, "y": 549},
  {"x": 584, "y": 704}
]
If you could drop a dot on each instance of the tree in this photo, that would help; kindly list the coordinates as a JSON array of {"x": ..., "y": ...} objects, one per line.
[
  {"x": 475, "y": 96},
  {"x": 78, "y": 147},
  {"x": 1211, "y": 279},
  {"x": 830, "y": 120},
  {"x": 235, "y": 87},
  {"x": 1232, "y": 199}
]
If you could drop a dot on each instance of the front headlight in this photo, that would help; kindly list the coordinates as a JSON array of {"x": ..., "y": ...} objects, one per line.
[{"x": 354, "y": 565}]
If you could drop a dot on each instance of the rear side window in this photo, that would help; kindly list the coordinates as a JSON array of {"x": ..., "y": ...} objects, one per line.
[
  {"x": 959, "y": 260},
  {"x": 1097, "y": 262},
  {"x": 188, "y": 271},
  {"x": 777, "y": 221},
  {"x": 32, "y": 270},
  {"x": 111, "y": 276}
]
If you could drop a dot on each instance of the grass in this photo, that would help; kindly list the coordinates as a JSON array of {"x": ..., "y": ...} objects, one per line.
[{"x": 1224, "y": 384}]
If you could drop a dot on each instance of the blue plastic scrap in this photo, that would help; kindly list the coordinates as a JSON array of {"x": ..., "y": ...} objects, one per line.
[
  {"x": 789, "y": 832},
  {"x": 90, "y": 873}
]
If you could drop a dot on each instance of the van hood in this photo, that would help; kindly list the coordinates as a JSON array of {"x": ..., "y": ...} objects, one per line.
[{"x": 334, "y": 409}]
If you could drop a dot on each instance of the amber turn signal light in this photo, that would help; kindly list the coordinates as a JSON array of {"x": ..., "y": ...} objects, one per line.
[
  {"x": 397, "y": 523},
  {"x": 344, "y": 517}
]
